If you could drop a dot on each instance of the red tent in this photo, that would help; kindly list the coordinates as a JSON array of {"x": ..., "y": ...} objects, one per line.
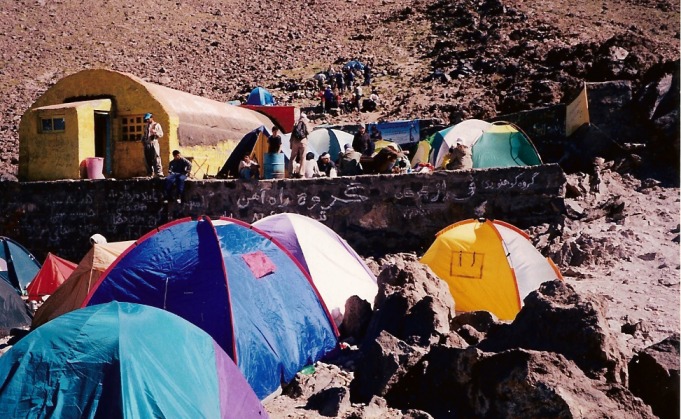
[{"x": 54, "y": 272}]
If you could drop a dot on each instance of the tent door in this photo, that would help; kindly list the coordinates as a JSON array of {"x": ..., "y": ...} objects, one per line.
[{"x": 103, "y": 138}]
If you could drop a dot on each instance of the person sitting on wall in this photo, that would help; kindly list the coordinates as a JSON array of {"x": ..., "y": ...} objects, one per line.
[
  {"x": 178, "y": 170},
  {"x": 152, "y": 150},
  {"x": 274, "y": 141},
  {"x": 248, "y": 168},
  {"x": 311, "y": 169}
]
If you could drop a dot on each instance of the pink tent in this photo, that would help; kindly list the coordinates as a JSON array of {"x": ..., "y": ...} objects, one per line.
[{"x": 53, "y": 273}]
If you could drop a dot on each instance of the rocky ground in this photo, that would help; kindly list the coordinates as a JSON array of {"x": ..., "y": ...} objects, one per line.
[{"x": 448, "y": 60}]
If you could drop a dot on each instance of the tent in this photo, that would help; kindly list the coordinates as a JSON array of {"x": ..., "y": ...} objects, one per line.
[
  {"x": 52, "y": 274},
  {"x": 422, "y": 154},
  {"x": 17, "y": 265},
  {"x": 489, "y": 265},
  {"x": 354, "y": 65},
  {"x": 71, "y": 294},
  {"x": 260, "y": 96},
  {"x": 469, "y": 131},
  {"x": 254, "y": 144},
  {"x": 328, "y": 140},
  {"x": 336, "y": 269},
  {"x": 504, "y": 145},
  {"x": 13, "y": 311},
  {"x": 237, "y": 284},
  {"x": 122, "y": 360}
]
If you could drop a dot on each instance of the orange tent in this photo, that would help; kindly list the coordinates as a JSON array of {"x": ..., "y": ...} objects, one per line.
[{"x": 53, "y": 273}]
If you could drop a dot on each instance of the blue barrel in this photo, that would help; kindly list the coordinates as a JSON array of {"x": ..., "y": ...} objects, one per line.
[{"x": 274, "y": 165}]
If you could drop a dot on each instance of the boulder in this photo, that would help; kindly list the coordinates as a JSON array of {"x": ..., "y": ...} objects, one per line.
[
  {"x": 325, "y": 376},
  {"x": 412, "y": 303},
  {"x": 356, "y": 318},
  {"x": 480, "y": 320},
  {"x": 383, "y": 363},
  {"x": 555, "y": 318},
  {"x": 330, "y": 402},
  {"x": 654, "y": 377}
]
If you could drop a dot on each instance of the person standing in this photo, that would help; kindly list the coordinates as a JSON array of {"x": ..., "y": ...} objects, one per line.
[
  {"x": 152, "y": 150},
  {"x": 299, "y": 146},
  {"x": 363, "y": 143},
  {"x": 178, "y": 170},
  {"x": 367, "y": 75},
  {"x": 274, "y": 141}
]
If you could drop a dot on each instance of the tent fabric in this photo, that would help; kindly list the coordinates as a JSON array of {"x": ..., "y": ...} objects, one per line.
[
  {"x": 422, "y": 153},
  {"x": 336, "y": 269},
  {"x": 17, "y": 265},
  {"x": 13, "y": 311},
  {"x": 122, "y": 360},
  {"x": 328, "y": 140},
  {"x": 469, "y": 131},
  {"x": 271, "y": 326},
  {"x": 52, "y": 274},
  {"x": 504, "y": 146},
  {"x": 254, "y": 144},
  {"x": 354, "y": 65},
  {"x": 260, "y": 96},
  {"x": 71, "y": 294},
  {"x": 488, "y": 265}
]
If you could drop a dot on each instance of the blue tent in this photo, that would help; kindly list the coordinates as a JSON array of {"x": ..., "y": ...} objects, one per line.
[
  {"x": 17, "y": 265},
  {"x": 260, "y": 96},
  {"x": 122, "y": 360},
  {"x": 354, "y": 65},
  {"x": 13, "y": 310},
  {"x": 235, "y": 283}
]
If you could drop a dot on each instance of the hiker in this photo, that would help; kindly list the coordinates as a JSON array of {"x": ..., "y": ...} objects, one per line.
[
  {"x": 329, "y": 99},
  {"x": 350, "y": 162},
  {"x": 249, "y": 168},
  {"x": 349, "y": 78},
  {"x": 340, "y": 82},
  {"x": 367, "y": 75},
  {"x": 376, "y": 135},
  {"x": 311, "y": 169},
  {"x": 178, "y": 170},
  {"x": 299, "y": 146},
  {"x": 152, "y": 150},
  {"x": 326, "y": 165},
  {"x": 357, "y": 97},
  {"x": 274, "y": 141},
  {"x": 459, "y": 157},
  {"x": 363, "y": 143}
]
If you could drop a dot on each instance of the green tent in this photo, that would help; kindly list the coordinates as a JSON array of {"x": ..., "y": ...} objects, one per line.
[{"x": 504, "y": 145}]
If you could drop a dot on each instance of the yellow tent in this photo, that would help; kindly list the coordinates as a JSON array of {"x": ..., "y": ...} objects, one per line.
[
  {"x": 489, "y": 265},
  {"x": 71, "y": 294}
]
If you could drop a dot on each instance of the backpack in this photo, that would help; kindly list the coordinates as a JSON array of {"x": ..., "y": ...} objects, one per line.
[{"x": 299, "y": 131}]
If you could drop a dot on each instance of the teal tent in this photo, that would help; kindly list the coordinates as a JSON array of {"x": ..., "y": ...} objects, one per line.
[
  {"x": 260, "y": 96},
  {"x": 504, "y": 145},
  {"x": 121, "y": 360},
  {"x": 17, "y": 265}
]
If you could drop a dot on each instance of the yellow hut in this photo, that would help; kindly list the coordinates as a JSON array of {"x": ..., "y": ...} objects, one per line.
[{"x": 98, "y": 113}]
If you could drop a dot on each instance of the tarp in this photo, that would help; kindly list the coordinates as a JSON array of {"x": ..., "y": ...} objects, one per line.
[
  {"x": 328, "y": 140},
  {"x": 122, "y": 360},
  {"x": 237, "y": 284},
  {"x": 503, "y": 145},
  {"x": 260, "y": 96},
  {"x": 469, "y": 131},
  {"x": 401, "y": 132},
  {"x": 337, "y": 270},
  {"x": 71, "y": 294},
  {"x": 354, "y": 65},
  {"x": 17, "y": 265},
  {"x": 52, "y": 274},
  {"x": 488, "y": 265},
  {"x": 13, "y": 310}
]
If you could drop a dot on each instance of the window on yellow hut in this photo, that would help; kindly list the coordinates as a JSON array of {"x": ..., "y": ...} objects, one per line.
[
  {"x": 54, "y": 124},
  {"x": 132, "y": 127}
]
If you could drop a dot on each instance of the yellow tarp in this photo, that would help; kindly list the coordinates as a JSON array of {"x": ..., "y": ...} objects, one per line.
[{"x": 577, "y": 113}]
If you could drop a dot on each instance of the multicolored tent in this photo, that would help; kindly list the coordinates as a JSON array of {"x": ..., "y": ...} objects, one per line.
[
  {"x": 469, "y": 131},
  {"x": 337, "y": 270},
  {"x": 71, "y": 294},
  {"x": 489, "y": 265},
  {"x": 52, "y": 274},
  {"x": 237, "y": 284},
  {"x": 17, "y": 265},
  {"x": 13, "y": 311},
  {"x": 504, "y": 145},
  {"x": 260, "y": 96},
  {"x": 328, "y": 140},
  {"x": 122, "y": 360}
]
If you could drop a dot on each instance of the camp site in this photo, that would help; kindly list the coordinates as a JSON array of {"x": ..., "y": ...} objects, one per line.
[{"x": 356, "y": 210}]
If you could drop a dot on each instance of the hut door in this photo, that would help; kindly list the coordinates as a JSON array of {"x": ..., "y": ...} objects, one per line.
[{"x": 103, "y": 138}]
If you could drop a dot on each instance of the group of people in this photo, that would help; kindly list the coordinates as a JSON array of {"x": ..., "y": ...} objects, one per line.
[{"x": 334, "y": 85}]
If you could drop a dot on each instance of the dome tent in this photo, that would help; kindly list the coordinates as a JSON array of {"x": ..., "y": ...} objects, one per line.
[
  {"x": 122, "y": 360},
  {"x": 234, "y": 282},
  {"x": 328, "y": 140},
  {"x": 52, "y": 274},
  {"x": 488, "y": 265},
  {"x": 17, "y": 265},
  {"x": 337, "y": 271},
  {"x": 260, "y": 96},
  {"x": 13, "y": 311},
  {"x": 504, "y": 145}
]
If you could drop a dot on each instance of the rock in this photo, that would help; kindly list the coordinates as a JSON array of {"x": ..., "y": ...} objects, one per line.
[
  {"x": 470, "y": 334},
  {"x": 480, "y": 320},
  {"x": 555, "y": 318},
  {"x": 654, "y": 377},
  {"x": 326, "y": 376},
  {"x": 330, "y": 402},
  {"x": 383, "y": 363},
  {"x": 356, "y": 318}
]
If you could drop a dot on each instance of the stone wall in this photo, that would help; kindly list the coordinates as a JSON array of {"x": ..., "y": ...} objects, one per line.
[{"x": 375, "y": 214}]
